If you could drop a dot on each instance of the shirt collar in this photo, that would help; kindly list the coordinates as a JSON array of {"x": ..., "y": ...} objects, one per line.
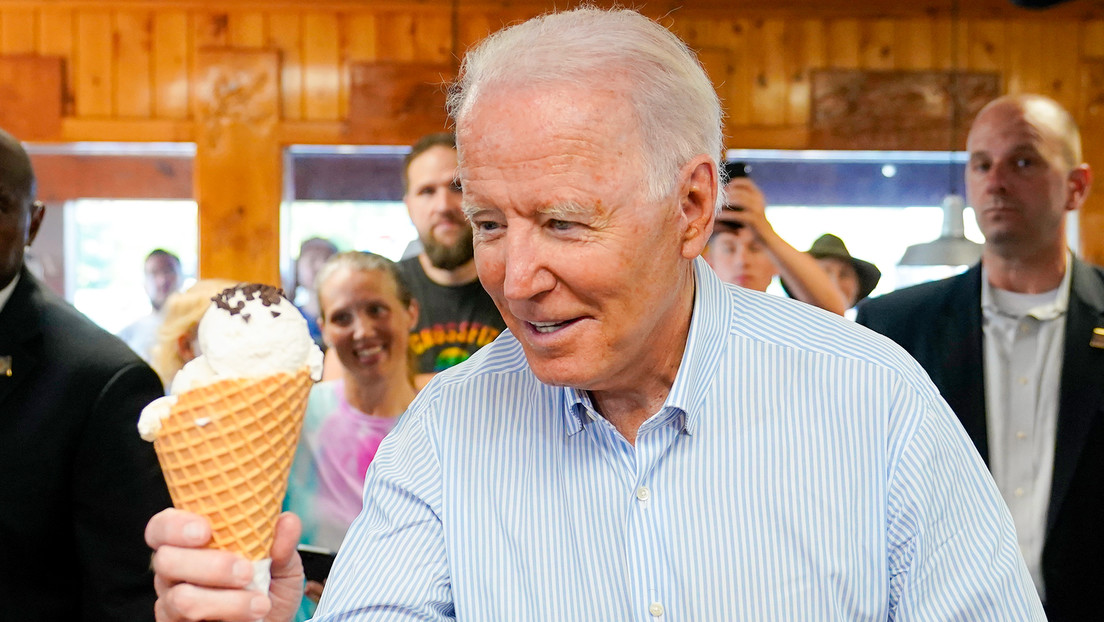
[
  {"x": 1044, "y": 312},
  {"x": 6, "y": 293},
  {"x": 709, "y": 325}
]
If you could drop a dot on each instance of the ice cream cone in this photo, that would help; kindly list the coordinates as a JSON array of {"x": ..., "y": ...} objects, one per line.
[{"x": 226, "y": 451}]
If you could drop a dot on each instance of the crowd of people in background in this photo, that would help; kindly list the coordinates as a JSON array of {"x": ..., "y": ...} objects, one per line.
[{"x": 604, "y": 415}]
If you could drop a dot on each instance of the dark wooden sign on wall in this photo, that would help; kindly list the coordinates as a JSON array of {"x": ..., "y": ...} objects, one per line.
[
  {"x": 896, "y": 110},
  {"x": 395, "y": 103}
]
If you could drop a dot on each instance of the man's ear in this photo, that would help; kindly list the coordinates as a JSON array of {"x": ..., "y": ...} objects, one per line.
[
  {"x": 1079, "y": 181},
  {"x": 38, "y": 210},
  {"x": 697, "y": 203}
]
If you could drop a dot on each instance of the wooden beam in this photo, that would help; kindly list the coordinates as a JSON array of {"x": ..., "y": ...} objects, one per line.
[
  {"x": 1091, "y": 218},
  {"x": 238, "y": 165}
]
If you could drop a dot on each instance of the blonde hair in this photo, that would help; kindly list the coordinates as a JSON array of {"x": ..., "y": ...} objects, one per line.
[{"x": 182, "y": 313}]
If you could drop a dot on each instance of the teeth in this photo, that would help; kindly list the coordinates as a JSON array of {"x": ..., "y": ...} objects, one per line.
[
  {"x": 369, "y": 351},
  {"x": 546, "y": 327}
]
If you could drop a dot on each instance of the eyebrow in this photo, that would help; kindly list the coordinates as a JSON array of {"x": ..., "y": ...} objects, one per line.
[{"x": 558, "y": 211}]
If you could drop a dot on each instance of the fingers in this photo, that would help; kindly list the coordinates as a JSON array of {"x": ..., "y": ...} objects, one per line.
[
  {"x": 184, "y": 602},
  {"x": 206, "y": 567},
  {"x": 288, "y": 530},
  {"x": 177, "y": 528}
]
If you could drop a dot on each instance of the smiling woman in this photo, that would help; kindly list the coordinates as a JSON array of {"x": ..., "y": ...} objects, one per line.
[{"x": 367, "y": 314}]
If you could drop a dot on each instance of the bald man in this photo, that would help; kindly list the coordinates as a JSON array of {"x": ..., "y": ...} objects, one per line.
[
  {"x": 77, "y": 484},
  {"x": 1016, "y": 345}
]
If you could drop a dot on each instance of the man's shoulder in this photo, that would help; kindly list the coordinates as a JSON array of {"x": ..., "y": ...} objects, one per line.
[
  {"x": 921, "y": 298},
  {"x": 70, "y": 334}
]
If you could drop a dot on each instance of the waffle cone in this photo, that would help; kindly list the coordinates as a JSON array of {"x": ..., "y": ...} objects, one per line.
[{"x": 226, "y": 450}]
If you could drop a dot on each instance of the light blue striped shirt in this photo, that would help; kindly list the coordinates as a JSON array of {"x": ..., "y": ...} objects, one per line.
[{"x": 802, "y": 468}]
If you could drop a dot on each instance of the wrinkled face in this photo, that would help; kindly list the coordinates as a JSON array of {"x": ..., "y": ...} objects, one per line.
[
  {"x": 584, "y": 269},
  {"x": 433, "y": 200},
  {"x": 366, "y": 324},
  {"x": 162, "y": 279},
  {"x": 843, "y": 275},
  {"x": 738, "y": 258},
  {"x": 1017, "y": 179}
]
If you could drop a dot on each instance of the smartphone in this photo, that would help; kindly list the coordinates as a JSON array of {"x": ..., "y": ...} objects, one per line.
[
  {"x": 737, "y": 169},
  {"x": 316, "y": 562}
]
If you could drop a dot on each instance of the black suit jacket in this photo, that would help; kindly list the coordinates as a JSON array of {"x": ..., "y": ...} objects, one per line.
[
  {"x": 77, "y": 483},
  {"x": 939, "y": 323}
]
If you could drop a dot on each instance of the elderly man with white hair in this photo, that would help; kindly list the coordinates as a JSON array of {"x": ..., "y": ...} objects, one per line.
[{"x": 644, "y": 442}]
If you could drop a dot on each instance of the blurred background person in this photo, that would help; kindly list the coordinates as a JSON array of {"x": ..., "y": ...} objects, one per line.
[
  {"x": 163, "y": 277},
  {"x": 745, "y": 249},
  {"x": 313, "y": 252},
  {"x": 177, "y": 337},
  {"x": 854, "y": 278},
  {"x": 456, "y": 316},
  {"x": 366, "y": 316}
]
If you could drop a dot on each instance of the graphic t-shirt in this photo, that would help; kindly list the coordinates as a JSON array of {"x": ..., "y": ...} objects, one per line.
[
  {"x": 453, "y": 321},
  {"x": 327, "y": 477}
]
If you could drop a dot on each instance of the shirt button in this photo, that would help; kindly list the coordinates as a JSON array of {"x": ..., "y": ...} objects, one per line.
[
  {"x": 1021, "y": 435},
  {"x": 643, "y": 494},
  {"x": 655, "y": 609},
  {"x": 1024, "y": 329},
  {"x": 1022, "y": 380},
  {"x": 1019, "y": 492}
]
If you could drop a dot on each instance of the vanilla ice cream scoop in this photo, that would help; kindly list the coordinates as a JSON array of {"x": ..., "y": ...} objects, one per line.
[
  {"x": 249, "y": 330},
  {"x": 253, "y": 330}
]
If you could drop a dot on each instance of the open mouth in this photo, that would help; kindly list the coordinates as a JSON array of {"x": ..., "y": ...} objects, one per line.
[{"x": 545, "y": 328}]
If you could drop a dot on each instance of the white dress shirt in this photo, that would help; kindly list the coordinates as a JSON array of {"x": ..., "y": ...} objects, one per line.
[
  {"x": 1023, "y": 369},
  {"x": 801, "y": 468}
]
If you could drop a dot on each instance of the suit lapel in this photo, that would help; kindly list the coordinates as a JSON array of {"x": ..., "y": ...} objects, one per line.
[
  {"x": 1082, "y": 384},
  {"x": 18, "y": 326},
  {"x": 960, "y": 355}
]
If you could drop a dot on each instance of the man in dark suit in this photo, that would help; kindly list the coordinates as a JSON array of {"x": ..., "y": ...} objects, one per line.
[
  {"x": 1016, "y": 345},
  {"x": 77, "y": 484}
]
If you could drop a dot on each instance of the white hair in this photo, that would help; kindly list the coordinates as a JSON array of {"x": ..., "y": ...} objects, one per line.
[{"x": 677, "y": 109}]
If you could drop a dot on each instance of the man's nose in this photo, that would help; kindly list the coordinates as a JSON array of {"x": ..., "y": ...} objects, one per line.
[
  {"x": 996, "y": 178},
  {"x": 526, "y": 274}
]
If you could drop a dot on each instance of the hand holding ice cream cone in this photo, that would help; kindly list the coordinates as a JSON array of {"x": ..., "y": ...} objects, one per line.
[
  {"x": 227, "y": 435},
  {"x": 195, "y": 582}
]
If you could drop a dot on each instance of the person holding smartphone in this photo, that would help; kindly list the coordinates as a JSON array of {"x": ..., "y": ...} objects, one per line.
[{"x": 745, "y": 249}]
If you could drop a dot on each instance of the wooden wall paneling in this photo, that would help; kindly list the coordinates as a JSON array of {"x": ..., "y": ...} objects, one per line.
[
  {"x": 876, "y": 44},
  {"x": 768, "y": 64},
  {"x": 18, "y": 32},
  {"x": 55, "y": 38},
  {"x": 238, "y": 164},
  {"x": 1024, "y": 66},
  {"x": 394, "y": 103},
  {"x": 360, "y": 37},
  {"x": 804, "y": 44},
  {"x": 171, "y": 80},
  {"x": 210, "y": 29},
  {"x": 133, "y": 73},
  {"x": 843, "y": 43},
  {"x": 913, "y": 44},
  {"x": 432, "y": 38},
  {"x": 285, "y": 35},
  {"x": 94, "y": 64},
  {"x": 1091, "y": 117},
  {"x": 1059, "y": 65},
  {"x": 396, "y": 40},
  {"x": 986, "y": 47},
  {"x": 31, "y": 92},
  {"x": 946, "y": 53},
  {"x": 247, "y": 29},
  {"x": 62, "y": 177},
  {"x": 321, "y": 67},
  {"x": 1092, "y": 38}
]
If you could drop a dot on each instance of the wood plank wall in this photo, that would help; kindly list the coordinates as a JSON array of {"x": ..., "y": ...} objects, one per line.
[{"x": 132, "y": 65}]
